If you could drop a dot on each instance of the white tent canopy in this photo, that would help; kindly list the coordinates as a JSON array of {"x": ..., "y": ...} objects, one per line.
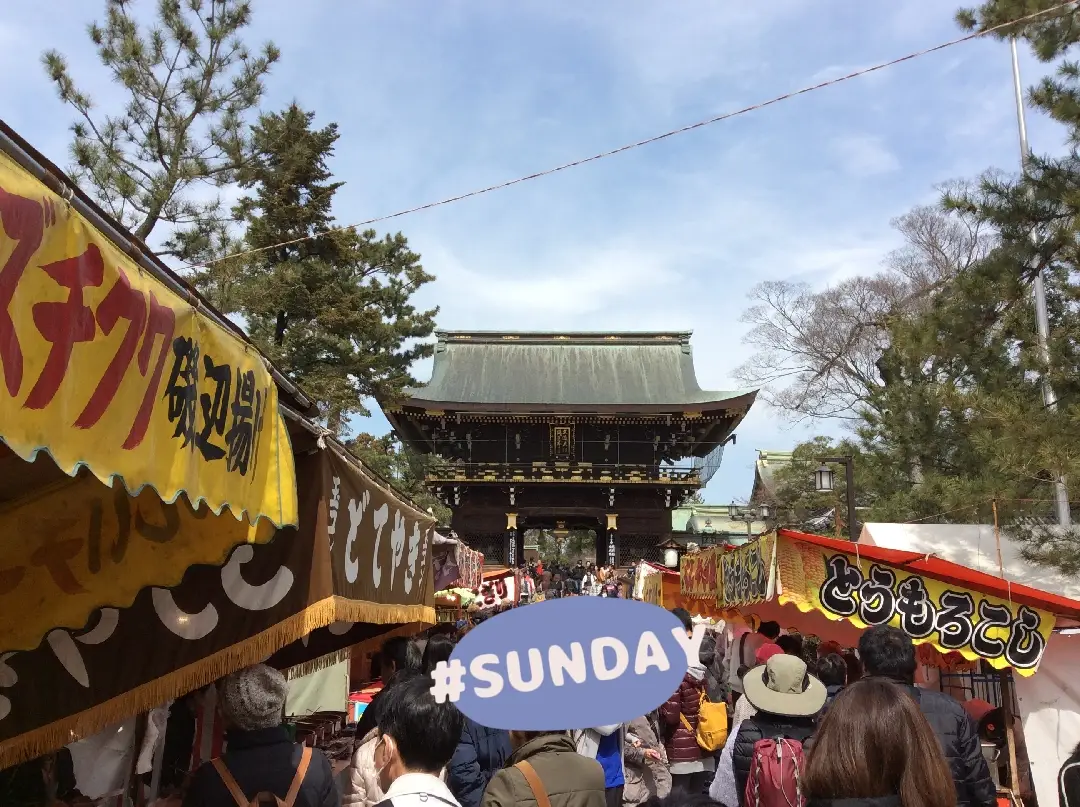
[
  {"x": 974, "y": 546},
  {"x": 1049, "y": 700}
]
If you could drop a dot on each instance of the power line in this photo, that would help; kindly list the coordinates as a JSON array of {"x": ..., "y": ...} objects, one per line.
[{"x": 647, "y": 141}]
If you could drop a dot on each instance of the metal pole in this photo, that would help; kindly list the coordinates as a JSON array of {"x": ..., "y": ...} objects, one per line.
[
  {"x": 849, "y": 478},
  {"x": 1042, "y": 319}
]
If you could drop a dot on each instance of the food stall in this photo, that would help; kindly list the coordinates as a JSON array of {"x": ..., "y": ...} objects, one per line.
[
  {"x": 117, "y": 476},
  {"x": 458, "y": 571},
  {"x": 131, "y": 582},
  {"x": 960, "y": 619},
  {"x": 300, "y": 598}
]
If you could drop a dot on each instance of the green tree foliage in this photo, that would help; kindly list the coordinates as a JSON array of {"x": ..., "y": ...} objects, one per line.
[
  {"x": 796, "y": 501},
  {"x": 332, "y": 308},
  {"x": 402, "y": 468},
  {"x": 568, "y": 549},
  {"x": 191, "y": 82},
  {"x": 955, "y": 418}
]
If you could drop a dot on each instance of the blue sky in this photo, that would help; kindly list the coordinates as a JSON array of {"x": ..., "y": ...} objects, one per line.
[{"x": 434, "y": 99}]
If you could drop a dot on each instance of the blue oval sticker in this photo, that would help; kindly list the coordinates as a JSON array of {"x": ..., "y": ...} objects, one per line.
[{"x": 570, "y": 663}]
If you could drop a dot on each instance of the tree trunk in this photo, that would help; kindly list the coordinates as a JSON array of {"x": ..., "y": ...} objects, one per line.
[
  {"x": 333, "y": 420},
  {"x": 279, "y": 329}
]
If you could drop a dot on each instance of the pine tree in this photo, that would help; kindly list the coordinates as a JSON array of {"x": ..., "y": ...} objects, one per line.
[
  {"x": 332, "y": 308},
  {"x": 959, "y": 423},
  {"x": 191, "y": 82}
]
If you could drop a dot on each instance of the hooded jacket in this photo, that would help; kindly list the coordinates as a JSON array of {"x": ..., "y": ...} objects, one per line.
[
  {"x": 960, "y": 742},
  {"x": 680, "y": 742},
  {"x": 569, "y": 778},
  {"x": 645, "y": 778},
  {"x": 480, "y": 754},
  {"x": 763, "y": 726}
]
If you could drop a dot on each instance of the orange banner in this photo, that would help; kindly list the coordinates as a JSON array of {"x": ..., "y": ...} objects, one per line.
[{"x": 698, "y": 574}]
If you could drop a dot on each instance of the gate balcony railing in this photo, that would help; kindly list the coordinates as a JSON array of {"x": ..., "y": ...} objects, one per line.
[{"x": 578, "y": 472}]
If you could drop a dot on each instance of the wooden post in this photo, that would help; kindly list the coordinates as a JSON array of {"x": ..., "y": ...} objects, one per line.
[{"x": 1005, "y": 679}]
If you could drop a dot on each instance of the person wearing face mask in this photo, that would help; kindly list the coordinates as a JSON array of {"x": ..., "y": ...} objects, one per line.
[{"x": 416, "y": 740}]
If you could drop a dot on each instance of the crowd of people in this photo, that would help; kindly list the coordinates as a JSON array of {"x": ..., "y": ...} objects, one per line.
[
  {"x": 753, "y": 724},
  {"x": 585, "y": 579}
]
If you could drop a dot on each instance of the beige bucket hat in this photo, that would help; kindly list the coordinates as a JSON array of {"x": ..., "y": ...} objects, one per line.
[{"x": 782, "y": 686}]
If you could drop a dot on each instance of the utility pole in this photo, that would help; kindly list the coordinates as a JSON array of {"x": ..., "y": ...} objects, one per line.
[{"x": 1042, "y": 319}]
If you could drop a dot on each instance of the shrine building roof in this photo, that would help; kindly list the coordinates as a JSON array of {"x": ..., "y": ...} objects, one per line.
[{"x": 579, "y": 372}]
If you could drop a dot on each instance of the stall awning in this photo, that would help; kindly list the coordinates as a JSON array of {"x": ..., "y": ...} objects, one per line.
[
  {"x": 358, "y": 565},
  {"x": 456, "y": 565},
  {"x": 114, "y": 378},
  {"x": 973, "y": 546},
  {"x": 949, "y": 572},
  {"x": 953, "y": 608}
]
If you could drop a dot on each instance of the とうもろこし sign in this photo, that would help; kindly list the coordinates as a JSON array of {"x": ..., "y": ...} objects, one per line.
[{"x": 954, "y": 619}]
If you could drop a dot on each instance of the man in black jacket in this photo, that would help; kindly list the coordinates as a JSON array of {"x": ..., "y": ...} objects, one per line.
[
  {"x": 888, "y": 652},
  {"x": 259, "y": 754}
]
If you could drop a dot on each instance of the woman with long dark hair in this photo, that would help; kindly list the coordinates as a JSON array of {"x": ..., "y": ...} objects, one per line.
[
  {"x": 874, "y": 745},
  {"x": 438, "y": 648}
]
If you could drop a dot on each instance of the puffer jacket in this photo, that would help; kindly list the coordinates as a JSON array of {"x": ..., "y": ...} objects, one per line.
[
  {"x": 680, "y": 742},
  {"x": 960, "y": 741},
  {"x": 570, "y": 779},
  {"x": 480, "y": 754},
  {"x": 362, "y": 787},
  {"x": 645, "y": 778},
  {"x": 763, "y": 726}
]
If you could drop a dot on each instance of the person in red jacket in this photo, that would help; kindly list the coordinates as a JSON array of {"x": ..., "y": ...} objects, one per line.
[{"x": 691, "y": 768}]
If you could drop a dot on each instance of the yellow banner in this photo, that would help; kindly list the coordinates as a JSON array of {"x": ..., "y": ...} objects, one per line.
[
  {"x": 746, "y": 573},
  {"x": 652, "y": 588},
  {"x": 952, "y": 619},
  {"x": 698, "y": 577},
  {"x": 104, "y": 367},
  {"x": 76, "y": 546}
]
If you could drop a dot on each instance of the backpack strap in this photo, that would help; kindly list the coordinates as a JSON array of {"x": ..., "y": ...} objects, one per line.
[
  {"x": 686, "y": 723},
  {"x": 301, "y": 772},
  {"x": 230, "y": 783},
  {"x": 243, "y": 801},
  {"x": 535, "y": 785}
]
